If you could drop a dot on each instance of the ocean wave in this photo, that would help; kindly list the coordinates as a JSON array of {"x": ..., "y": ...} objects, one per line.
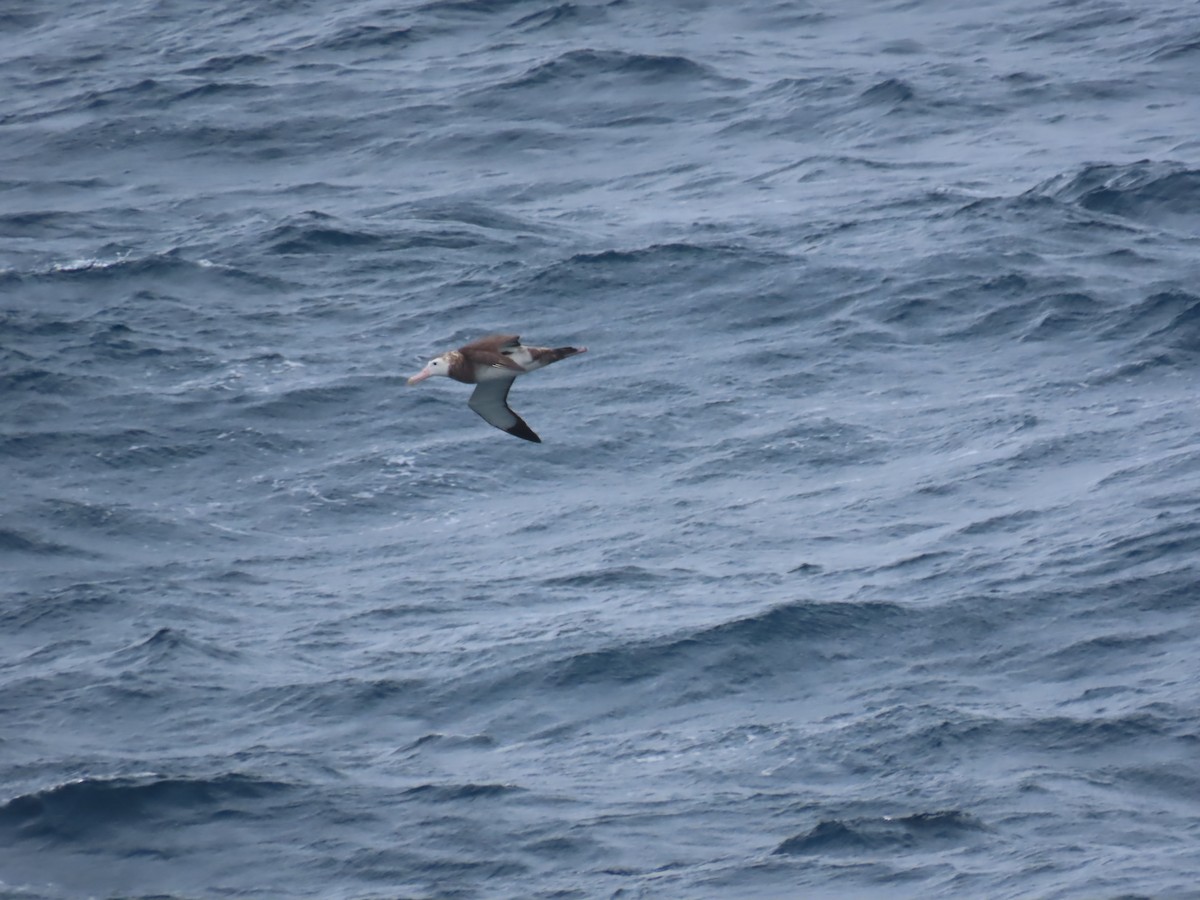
[
  {"x": 145, "y": 93},
  {"x": 683, "y": 263},
  {"x": 20, "y": 20},
  {"x": 566, "y": 15},
  {"x": 135, "y": 449},
  {"x": 1166, "y": 779},
  {"x": 37, "y": 224},
  {"x": 113, "y": 518},
  {"x": 917, "y": 832},
  {"x": 36, "y": 323},
  {"x": 592, "y": 65},
  {"x": 25, "y": 541},
  {"x": 1164, "y": 538},
  {"x": 368, "y": 36},
  {"x": 1166, "y": 194},
  {"x": 478, "y": 215},
  {"x": 924, "y": 732},
  {"x": 787, "y": 636},
  {"x": 453, "y": 742},
  {"x": 34, "y": 380},
  {"x": 1163, "y": 320},
  {"x": 815, "y": 87},
  {"x": 223, "y": 63},
  {"x": 65, "y": 608},
  {"x": 315, "y": 233},
  {"x": 339, "y": 698},
  {"x": 1059, "y": 315},
  {"x": 89, "y": 806},
  {"x": 659, "y": 254},
  {"x": 813, "y": 444},
  {"x": 891, "y": 92},
  {"x": 1177, "y": 50},
  {"x": 470, "y": 7},
  {"x": 130, "y": 272},
  {"x": 1083, "y": 25},
  {"x": 612, "y": 576},
  {"x": 168, "y": 646},
  {"x": 304, "y": 402},
  {"x": 1113, "y": 649},
  {"x": 448, "y": 793},
  {"x": 222, "y": 91},
  {"x": 482, "y": 142}
]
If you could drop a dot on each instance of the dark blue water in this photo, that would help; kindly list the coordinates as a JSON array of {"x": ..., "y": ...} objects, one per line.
[{"x": 862, "y": 554}]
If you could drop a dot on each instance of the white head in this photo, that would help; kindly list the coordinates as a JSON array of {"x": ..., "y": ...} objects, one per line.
[{"x": 437, "y": 366}]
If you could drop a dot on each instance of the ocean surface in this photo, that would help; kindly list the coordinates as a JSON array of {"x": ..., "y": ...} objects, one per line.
[{"x": 862, "y": 554}]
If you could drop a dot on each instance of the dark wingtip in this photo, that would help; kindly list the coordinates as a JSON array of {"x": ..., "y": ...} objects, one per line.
[{"x": 522, "y": 430}]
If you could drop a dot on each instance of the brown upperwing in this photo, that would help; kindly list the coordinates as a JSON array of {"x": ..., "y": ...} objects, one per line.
[
  {"x": 487, "y": 352},
  {"x": 493, "y": 343}
]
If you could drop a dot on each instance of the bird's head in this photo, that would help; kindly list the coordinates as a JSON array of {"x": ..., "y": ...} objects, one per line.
[{"x": 439, "y": 365}]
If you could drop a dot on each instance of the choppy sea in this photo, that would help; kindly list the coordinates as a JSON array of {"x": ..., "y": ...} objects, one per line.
[{"x": 862, "y": 554}]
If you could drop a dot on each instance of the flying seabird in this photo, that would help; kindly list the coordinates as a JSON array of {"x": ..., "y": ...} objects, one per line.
[{"x": 492, "y": 364}]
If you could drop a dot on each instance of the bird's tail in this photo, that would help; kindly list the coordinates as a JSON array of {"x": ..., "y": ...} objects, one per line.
[{"x": 543, "y": 356}]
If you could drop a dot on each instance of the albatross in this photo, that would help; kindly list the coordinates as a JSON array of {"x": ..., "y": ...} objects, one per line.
[{"x": 492, "y": 364}]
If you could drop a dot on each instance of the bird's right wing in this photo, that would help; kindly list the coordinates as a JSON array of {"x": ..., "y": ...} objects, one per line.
[{"x": 490, "y": 400}]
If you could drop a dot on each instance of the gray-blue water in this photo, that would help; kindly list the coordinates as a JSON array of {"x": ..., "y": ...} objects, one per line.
[{"x": 862, "y": 554}]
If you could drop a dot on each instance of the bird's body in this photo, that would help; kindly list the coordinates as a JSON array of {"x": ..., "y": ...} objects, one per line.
[{"x": 492, "y": 364}]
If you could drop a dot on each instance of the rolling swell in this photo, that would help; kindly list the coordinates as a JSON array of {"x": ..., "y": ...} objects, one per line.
[
  {"x": 64, "y": 607},
  {"x": 1164, "y": 320},
  {"x": 922, "y": 832},
  {"x": 781, "y": 639},
  {"x": 377, "y": 39},
  {"x": 73, "y": 810},
  {"x": 145, "y": 272},
  {"x": 590, "y": 65},
  {"x": 594, "y": 88},
  {"x": 1166, "y": 194}
]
